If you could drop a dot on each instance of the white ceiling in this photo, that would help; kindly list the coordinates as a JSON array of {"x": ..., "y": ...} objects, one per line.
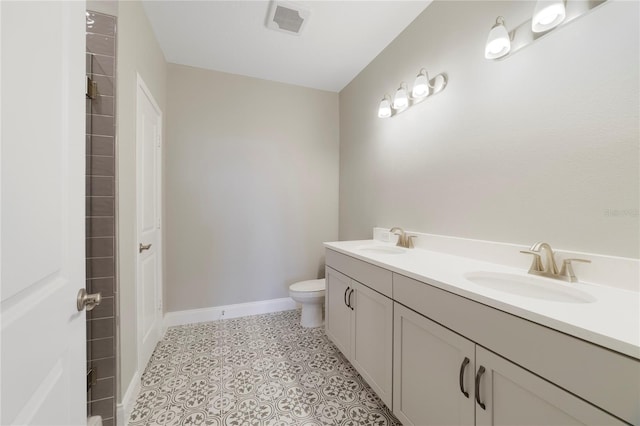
[{"x": 338, "y": 40}]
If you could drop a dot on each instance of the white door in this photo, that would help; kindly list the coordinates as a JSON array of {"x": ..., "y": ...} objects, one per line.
[
  {"x": 43, "y": 370},
  {"x": 148, "y": 142}
]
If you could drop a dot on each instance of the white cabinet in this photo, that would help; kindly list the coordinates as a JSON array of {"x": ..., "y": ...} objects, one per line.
[
  {"x": 432, "y": 368},
  {"x": 372, "y": 339},
  {"x": 436, "y": 358},
  {"x": 359, "y": 321},
  {"x": 337, "y": 318},
  {"x": 511, "y": 395},
  {"x": 442, "y": 378}
]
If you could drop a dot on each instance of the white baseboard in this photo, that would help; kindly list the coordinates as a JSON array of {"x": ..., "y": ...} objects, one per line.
[
  {"x": 228, "y": 311},
  {"x": 123, "y": 410}
]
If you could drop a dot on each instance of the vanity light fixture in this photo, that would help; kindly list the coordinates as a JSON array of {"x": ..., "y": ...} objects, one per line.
[
  {"x": 498, "y": 42},
  {"x": 401, "y": 98},
  {"x": 547, "y": 14},
  {"x": 421, "y": 85},
  {"x": 384, "y": 110}
]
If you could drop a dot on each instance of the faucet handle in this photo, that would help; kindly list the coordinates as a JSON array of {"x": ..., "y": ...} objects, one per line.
[
  {"x": 567, "y": 269},
  {"x": 409, "y": 241},
  {"x": 402, "y": 237},
  {"x": 536, "y": 265}
]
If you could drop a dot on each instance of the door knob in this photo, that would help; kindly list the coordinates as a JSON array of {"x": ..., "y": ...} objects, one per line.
[
  {"x": 86, "y": 300},
  {"x": 144, "y": 247}
]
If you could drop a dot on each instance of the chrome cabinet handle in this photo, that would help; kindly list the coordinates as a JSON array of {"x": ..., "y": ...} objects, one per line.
[
  {"x": 144, "y": 247},
  {"x": 88, "y": 301},
  {"x": 463, "y": 367},
  {"x": 481, "y": 371},
  {"x": 345, "y": 297}
]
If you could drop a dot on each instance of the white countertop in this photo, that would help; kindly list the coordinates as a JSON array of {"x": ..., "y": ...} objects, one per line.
[{"x": 612, "y": 321}]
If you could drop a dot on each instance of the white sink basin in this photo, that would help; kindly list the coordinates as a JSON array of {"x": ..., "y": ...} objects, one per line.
[
  {"x": 380, "y": 249},
  {"x": 530, "y": 286}
]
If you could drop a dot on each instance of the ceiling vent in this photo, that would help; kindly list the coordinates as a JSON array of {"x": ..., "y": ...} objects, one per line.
[{"x": 287, "y": 17}]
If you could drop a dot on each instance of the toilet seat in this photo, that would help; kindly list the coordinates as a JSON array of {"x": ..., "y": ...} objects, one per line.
[{"x": 308, "y": 286}]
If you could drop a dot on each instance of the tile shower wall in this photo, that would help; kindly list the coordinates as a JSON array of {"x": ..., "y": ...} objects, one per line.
[{"x": 100, "y": 215}]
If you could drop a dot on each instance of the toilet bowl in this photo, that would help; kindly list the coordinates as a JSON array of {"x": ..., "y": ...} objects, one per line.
[{"x": 310, "y": 294}]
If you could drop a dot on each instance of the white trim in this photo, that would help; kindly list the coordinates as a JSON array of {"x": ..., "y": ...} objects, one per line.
[
  {"x": 229, "y": 311},
  {"x": 123, "y": 409}
]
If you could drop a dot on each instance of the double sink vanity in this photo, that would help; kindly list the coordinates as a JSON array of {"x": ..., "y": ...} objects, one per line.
[{"x": 445, "y": 339}]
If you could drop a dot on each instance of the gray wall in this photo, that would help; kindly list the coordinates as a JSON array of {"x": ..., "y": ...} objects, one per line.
[
  {"x": 138, "y": 52},
  {"x": 251, "y": 177},
  {"x": 540, "y": 146}
]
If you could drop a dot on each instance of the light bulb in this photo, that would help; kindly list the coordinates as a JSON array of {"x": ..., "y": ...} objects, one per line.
[
  {"x": 498, "y": 41},
  {"x": 384, "y": 110},
  {"x": 421, "y": 86},
  {"x": 547, "y": 14},
  {"x": 400, "y": 100}
]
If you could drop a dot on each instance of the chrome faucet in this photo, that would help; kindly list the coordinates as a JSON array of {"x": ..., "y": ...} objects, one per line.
[
  {"x": 550, "y": 269},
  {"x": 404, "y": 240}
]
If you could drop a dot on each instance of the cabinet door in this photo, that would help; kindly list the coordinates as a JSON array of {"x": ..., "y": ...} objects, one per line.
[
  {"x": 337, "y": 316},
  {"x": 372, "y": 339},
  {"x": 514, "y": 396},
  {"x": 428, "y": 362}
]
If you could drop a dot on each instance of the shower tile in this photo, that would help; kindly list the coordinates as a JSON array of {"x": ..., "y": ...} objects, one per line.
[
  {"x": 98, "y": 165},
  {"x": 100, "y": 145},
  {"x": 99, "y": 206},
  {"x": 104, "y": 408},
  {"x": 105, "y": 84},
  {"x": 100, "y": 328},
  {"x": 99, "y": 23},
  {"x": 101, "y": 44},
  {"x": 102, "y": 65},
  {"x": 100, "y": 125},
  {"x": 105, "y": 367},
  {"x": 100, "y": 267},
  {"x": 104, "y": 388},
  {"x": 100, "y": 186},
  {"x": 102, "y": 105},
  {"x": 99, "y": 247},
  {"x": 104, "y": 310},
  {"x": 99, "y": 227},
  {"x": 104, "y": 286},
  {"x": 101, "y": 348}
]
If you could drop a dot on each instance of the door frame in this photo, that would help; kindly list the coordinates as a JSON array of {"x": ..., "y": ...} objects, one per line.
[{"x": 143, "y": 90}]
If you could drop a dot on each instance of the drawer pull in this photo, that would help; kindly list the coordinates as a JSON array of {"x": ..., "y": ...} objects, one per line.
[
  {"x": 463, "y": 367},
  {"x": 349, "y": 305},
  {"x": 345, "y": 297},
  {"x": 481, "y": 371}
]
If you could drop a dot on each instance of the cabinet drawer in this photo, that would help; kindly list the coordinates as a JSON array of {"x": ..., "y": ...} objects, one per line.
[
  {"x": 570, "y": 363},
  {"x": 370, "y": 275}
]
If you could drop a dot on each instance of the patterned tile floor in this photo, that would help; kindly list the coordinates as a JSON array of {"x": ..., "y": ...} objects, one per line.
[{"x": 259, "y": 370}]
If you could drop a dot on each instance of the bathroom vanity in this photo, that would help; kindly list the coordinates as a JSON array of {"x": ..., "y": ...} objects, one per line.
[{"x": 438, "y": 349}]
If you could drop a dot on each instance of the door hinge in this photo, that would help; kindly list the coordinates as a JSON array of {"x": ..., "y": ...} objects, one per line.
[
  {"x": 91, "y": 88},
  {"x": 92, "y": 378}
]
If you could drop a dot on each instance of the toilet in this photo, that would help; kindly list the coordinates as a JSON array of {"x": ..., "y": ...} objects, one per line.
[{"x": 310, "y": 294}]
